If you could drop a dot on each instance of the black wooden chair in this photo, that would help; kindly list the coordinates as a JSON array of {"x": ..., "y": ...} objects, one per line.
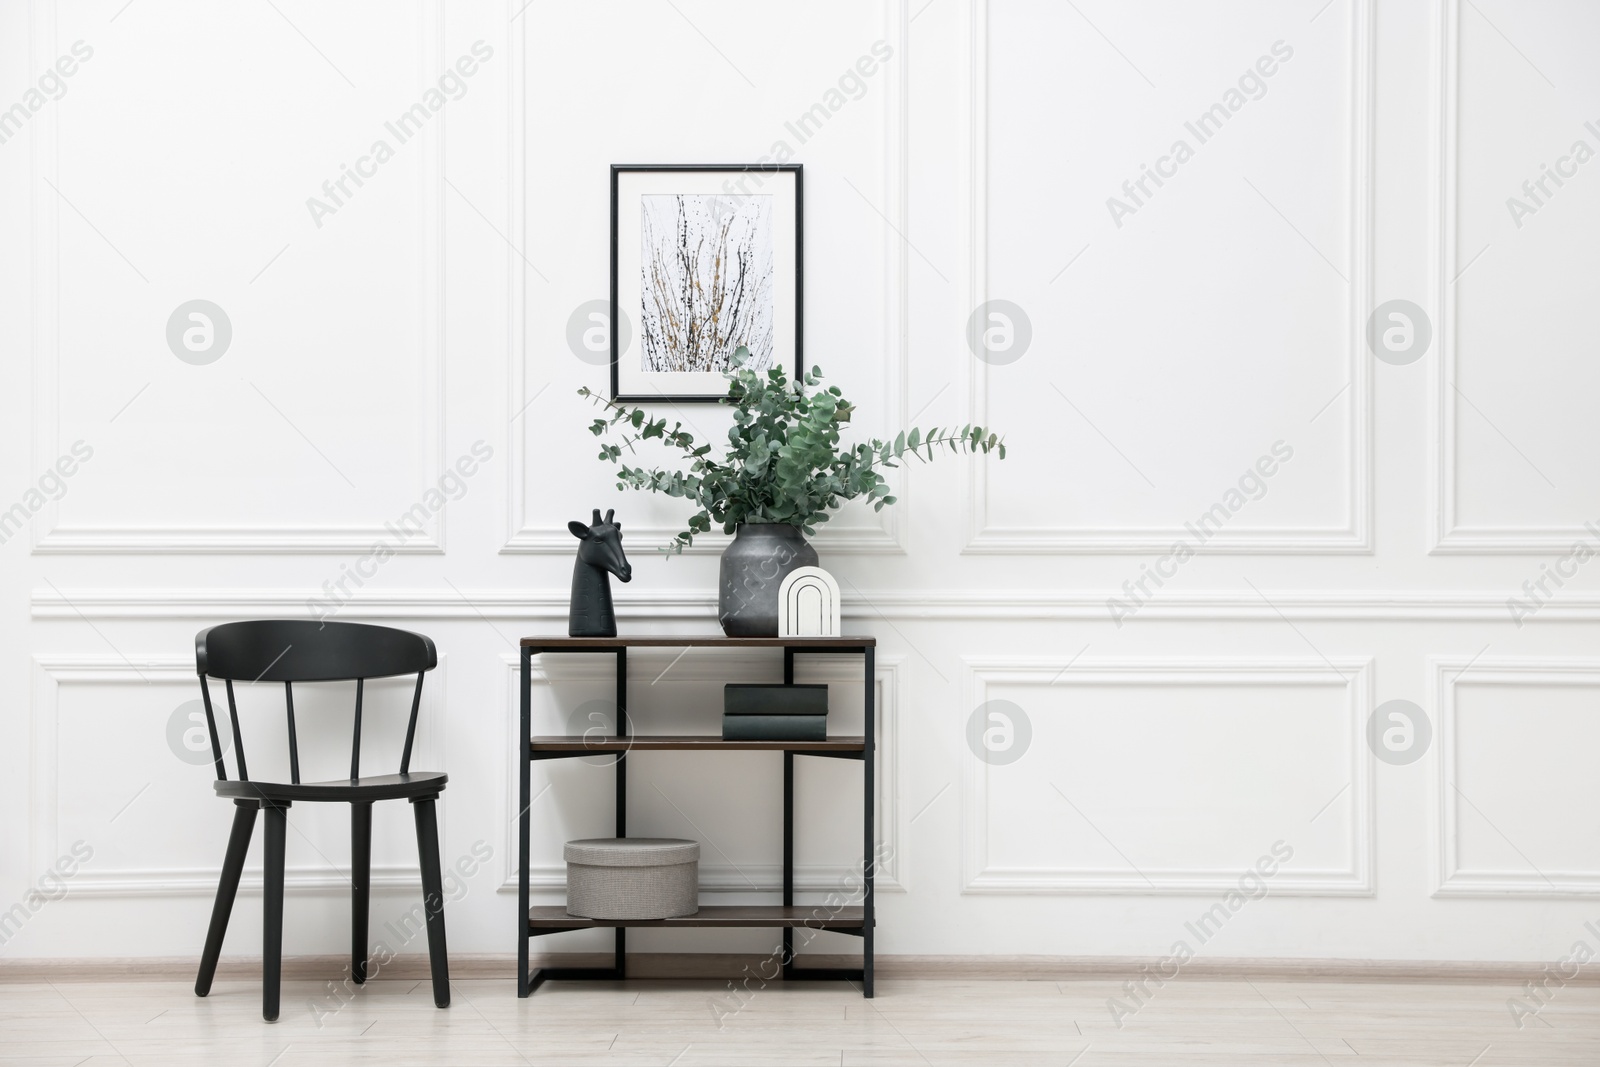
[{"x": 299, "y": 650}]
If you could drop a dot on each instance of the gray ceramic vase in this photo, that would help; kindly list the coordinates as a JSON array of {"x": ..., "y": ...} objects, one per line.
[{"x": 753, "y": 567}]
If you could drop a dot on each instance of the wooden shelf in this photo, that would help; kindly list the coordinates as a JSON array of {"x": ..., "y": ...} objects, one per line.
[
  {"x": 580, "y": 745},
  {"x": 556, "y": 918},
  {"x": 816, "y": 644}
]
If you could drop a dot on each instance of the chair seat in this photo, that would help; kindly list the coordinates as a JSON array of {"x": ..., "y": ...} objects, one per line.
[{"x": 377, "y": 787}]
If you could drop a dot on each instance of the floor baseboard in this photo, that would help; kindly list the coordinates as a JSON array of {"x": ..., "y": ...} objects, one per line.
[{"x": 713, "y": 966}]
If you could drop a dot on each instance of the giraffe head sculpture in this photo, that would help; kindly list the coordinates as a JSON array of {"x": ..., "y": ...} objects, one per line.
[{"x": 599, "y": 555}]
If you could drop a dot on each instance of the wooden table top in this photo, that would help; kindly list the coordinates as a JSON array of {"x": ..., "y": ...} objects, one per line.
[{"x": 558, "y": 644}]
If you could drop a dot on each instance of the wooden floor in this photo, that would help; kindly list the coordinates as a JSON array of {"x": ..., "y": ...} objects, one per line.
[{"x": 684, "y": 1023}]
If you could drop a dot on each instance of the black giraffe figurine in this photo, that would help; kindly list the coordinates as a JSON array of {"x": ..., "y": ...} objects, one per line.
[{"x": 599, "y": 552}]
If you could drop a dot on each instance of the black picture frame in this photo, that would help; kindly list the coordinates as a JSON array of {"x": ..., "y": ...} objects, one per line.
[{"x": 797, "y": 170}]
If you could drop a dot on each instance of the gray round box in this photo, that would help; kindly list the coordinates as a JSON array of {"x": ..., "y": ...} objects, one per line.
[{"x": 632, "y": 877}]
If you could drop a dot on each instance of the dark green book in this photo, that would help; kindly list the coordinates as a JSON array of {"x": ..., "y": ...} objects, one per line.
[
  {"x": 774, "y": 727},
  {"x": 748, "y": 699}
]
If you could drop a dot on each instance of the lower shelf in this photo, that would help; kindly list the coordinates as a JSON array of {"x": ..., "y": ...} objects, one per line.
[{"x": 551, "y": 918}]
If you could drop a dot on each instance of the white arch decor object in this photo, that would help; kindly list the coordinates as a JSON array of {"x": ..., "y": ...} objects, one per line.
[{"x": 808, "y": 604}]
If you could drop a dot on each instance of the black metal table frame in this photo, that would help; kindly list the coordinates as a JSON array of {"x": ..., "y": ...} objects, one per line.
[{"x": 527, "y": 982}]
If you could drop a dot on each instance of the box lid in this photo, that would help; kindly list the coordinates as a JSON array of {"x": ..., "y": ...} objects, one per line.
[
  {"x": 775, "y": 685},
  {"x": 631, "y": 851}
]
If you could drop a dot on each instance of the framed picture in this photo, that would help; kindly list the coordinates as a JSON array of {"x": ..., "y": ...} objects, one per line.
[{"x": 704, "y": 259}]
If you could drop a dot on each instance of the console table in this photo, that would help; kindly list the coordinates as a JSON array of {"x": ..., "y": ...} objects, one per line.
[{"x": 855, "y": 920}]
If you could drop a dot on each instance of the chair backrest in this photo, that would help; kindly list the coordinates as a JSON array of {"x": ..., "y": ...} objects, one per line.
[{"x": 304, "y": 650}]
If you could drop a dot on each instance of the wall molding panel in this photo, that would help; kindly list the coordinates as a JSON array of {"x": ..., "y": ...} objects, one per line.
[
  {"x": 1450, "y": 877},
  {"x": 1355, "y": 537},
  {"x": 54, "y": 671},
  {"x": 51, "y": 537},
  {"x": 1448, "y": 535},
  {"x": 887, "y": 536},
  {"x": 1354, "y": 676}
]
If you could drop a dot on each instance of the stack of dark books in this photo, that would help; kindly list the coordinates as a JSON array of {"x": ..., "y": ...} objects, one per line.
[{"x": 774, "y": 712}]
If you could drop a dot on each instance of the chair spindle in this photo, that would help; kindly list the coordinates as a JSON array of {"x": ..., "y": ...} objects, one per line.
[
  {"x": 294, "y": 744},
  {"x": 411, "y": 727},
  {"x": 211, "y": 728},
  {"x": 355, "y": 744},
  {"x": 238, "y": 739}
]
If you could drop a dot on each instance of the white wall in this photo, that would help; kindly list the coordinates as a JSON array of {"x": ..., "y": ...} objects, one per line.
[{"x": 1169, "y": 353}]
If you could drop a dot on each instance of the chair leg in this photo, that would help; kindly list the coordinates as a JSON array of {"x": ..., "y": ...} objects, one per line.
[
  {"x": 361, "y": 886},
  {"x": 244, "y": 824},
  {"x": 432, "y": 897},
  {"x": 272, "y": 918}
]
